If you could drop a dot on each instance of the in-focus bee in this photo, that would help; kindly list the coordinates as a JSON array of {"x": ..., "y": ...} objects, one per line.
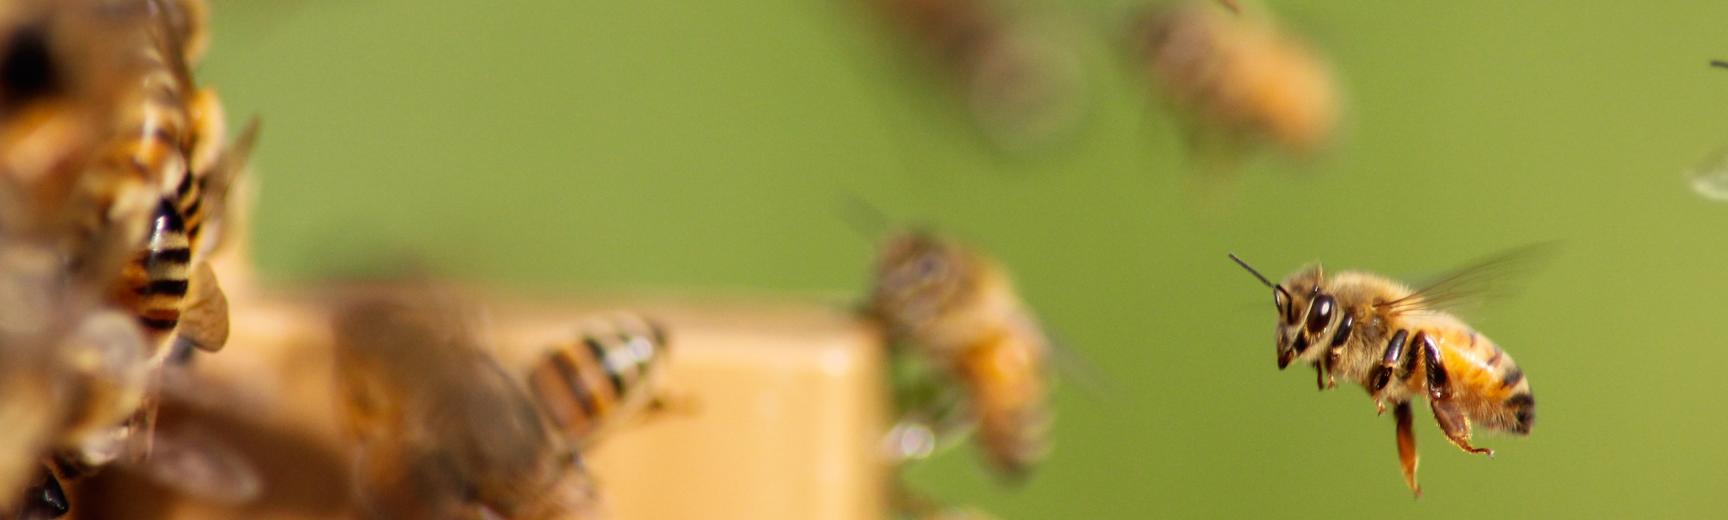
[
  {"x": 442, "y": 430},
  {"x": 1399, "y": 344},
  {"x": 960, "y": 311},
  {"x": 1019, "y": 88},
  {"x": 608, "y": 372},
  {"x": 1238, "y": 76}
]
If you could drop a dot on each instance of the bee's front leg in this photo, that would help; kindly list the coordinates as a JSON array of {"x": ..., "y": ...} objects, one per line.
[{"x": 1389, "y": 362}]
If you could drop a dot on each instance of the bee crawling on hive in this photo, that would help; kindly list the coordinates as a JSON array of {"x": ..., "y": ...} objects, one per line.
[
  {"x": 1400, "y": 344},
  {"x": 608, "y": 373}
]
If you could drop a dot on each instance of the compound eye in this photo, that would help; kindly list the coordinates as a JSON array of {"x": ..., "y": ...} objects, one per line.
[{"x": 1320, "y": 314}]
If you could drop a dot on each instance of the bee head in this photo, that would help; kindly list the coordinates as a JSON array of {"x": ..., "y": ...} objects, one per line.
[
  {"x": 1304, "y": 312},
  {"x": 916, "y": 274}
]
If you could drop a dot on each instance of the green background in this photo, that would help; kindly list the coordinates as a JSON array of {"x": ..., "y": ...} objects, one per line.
[{"x": 706, "y": 148}]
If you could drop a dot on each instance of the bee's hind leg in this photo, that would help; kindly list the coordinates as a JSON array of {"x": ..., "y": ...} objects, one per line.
[
  {"x": 1407, "y": 457},
  {"x": 1447, "y": 410}
]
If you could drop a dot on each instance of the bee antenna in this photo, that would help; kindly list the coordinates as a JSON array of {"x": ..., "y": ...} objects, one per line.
[
  {"x": 1719, "y": 63},
  {"x": 1251, "y": 270},
  {"x": 865, "y": 219}
]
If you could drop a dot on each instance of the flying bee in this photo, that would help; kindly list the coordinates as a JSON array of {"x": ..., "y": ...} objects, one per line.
[
  {"x": 1400, "y": 345},
  {"x": 1238, "y": 76},
  {"x": 960, "y": 311},
  {"x": 443, "y": 431},
  {"x": 608, "y": 372},
  {"x": 1018, "y": 88}
]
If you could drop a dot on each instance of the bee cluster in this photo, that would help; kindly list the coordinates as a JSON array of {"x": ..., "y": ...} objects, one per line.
[{"x": 116, "y": 175}]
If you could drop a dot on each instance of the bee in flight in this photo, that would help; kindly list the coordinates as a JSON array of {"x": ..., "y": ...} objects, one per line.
[
  {"x": 958, "y": 310},
  {"x": 1400, "y": 344},
  {"x": 1019, "y": 88},
  {"x": 441, "y": 429},
  {"x": 1237, "y": 76},
  {"x": 607, "y": 373}
]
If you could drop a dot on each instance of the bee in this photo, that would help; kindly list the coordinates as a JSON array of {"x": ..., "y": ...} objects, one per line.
[
  {"x": 98, "y": 121},
  {"x": 585, "y": 385},
  {"x": 441, "y": 429},
  {"x": 1238, "y": 76},
  {"x": 1019, "y": 89},
  {"x": 1400, "y": 345},
  {"x": 172, "y": 141},
  {"x": 961, "y": 312},
  {"x": 62, "y": 66}
]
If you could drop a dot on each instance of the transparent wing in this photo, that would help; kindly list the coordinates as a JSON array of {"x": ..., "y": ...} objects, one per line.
[
  {"x": 1494, "y": 276},
  {"x": 198, "y": 463}
]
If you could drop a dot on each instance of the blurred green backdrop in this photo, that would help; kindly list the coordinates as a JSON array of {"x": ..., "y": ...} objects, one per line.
[{"x": 704, "y": 147}]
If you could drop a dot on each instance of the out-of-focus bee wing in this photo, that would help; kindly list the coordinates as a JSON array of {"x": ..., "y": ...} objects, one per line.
[
  {"x": 1073, "y": 364},
  {"x": 1490, "y": 277},
  {"x": 170, "y": 40},
  {"x": 573, "y": 496},
  {"x": 204, "y": 322},
  {"x": 220, "y": 180},
  {"x": 193, "y": 461}
]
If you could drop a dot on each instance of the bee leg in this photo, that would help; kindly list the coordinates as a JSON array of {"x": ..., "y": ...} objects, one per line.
[
  {"x": 45, "y": 499},
  {"x": 1388, "y": 366},
  {"x": 1407, "y": 457},
  {"x": 1320, "y": 375},
  {"x": 1447, "y": 410}
]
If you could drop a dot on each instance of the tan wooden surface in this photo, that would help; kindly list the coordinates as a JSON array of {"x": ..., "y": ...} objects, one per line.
[{"x": 779, "y": 409}]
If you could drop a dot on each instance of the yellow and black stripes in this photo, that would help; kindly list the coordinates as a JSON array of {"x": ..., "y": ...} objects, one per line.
[
  {"x": 189, "y": 201},
  {"x": 166, "y": 263},
  {"x": 583, "y": 384}
]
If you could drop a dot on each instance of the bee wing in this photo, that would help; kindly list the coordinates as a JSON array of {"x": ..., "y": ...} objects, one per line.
[
  {"x": 1489, "y": 277},
  {"x": 574, "y": 495},
  {"x": 170, "y": 42},
  {"x": 204, "y": 323},
  {"x": 1072, "y": 364},
  {"x": 193, "y": 461},
  {"x": 220, "y": 180}
]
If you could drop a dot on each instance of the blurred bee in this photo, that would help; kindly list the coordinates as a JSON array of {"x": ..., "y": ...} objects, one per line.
[
  {"x": 1019, "y": 89},
  {"x": 960, "y": 311},
  {"x": 172, "y": 140},
  {"x": 584, "y": 386},
  {"x": 72, "y": 365},
  {"x": 442, "y": 430},
  {"x": 1400, "y": 345},
  {"x": 1238, "y": 76}
]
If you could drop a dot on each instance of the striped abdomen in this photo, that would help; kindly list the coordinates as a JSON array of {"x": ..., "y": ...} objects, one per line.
[
  {"x": 584, "y": 384},
  {"x": 1489, "y": 386},
  {"x": 157, "y": 281},
  {"x": 1006, "y": 382}
]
